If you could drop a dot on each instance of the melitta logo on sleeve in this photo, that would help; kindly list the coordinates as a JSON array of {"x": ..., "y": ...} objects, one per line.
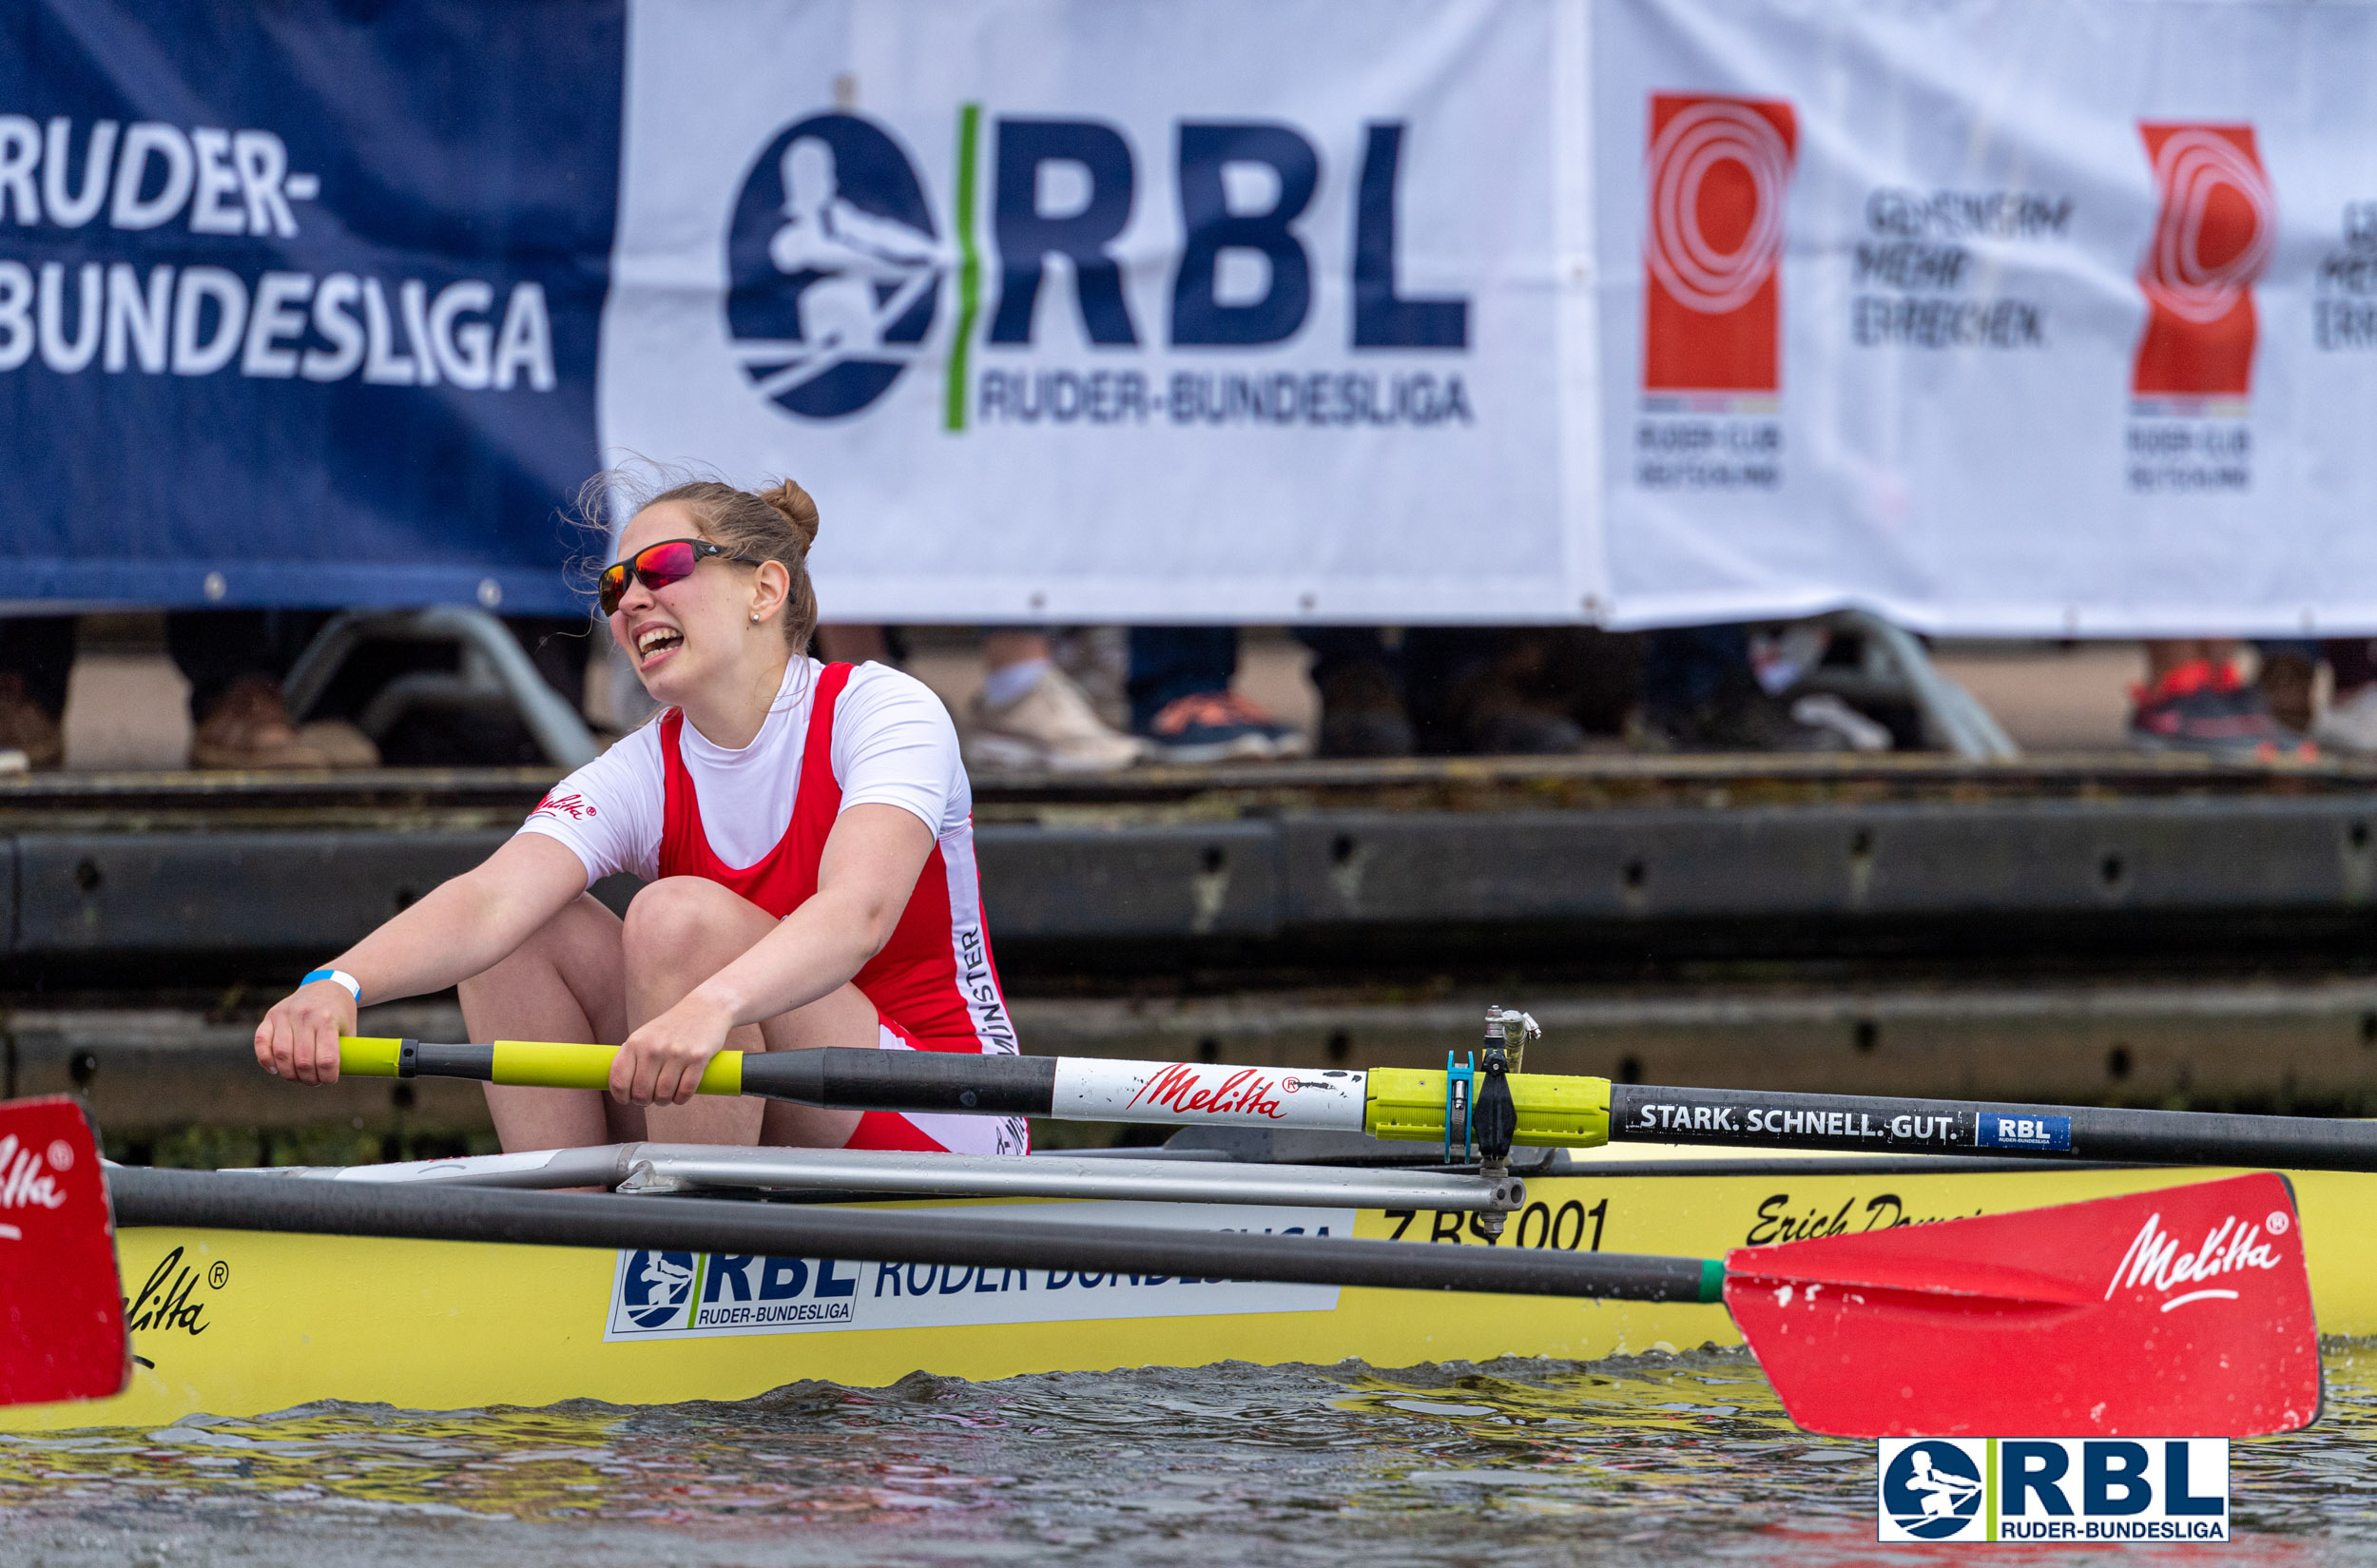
[
  {"x": 699, "y": 1295},
  {"x": 2062, "y": 1489}
]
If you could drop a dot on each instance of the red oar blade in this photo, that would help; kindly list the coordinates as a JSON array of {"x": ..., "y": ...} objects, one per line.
[
  {"x": 61, "y": 1306},
  {"x": 2183, "y": 1312}
]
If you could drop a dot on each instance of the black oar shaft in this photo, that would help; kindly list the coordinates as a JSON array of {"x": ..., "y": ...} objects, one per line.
[
  {"x": 904, "y": 1080},
  {"x": 1869, "y": 1124},
  {"x": 211, "y": 1200}
]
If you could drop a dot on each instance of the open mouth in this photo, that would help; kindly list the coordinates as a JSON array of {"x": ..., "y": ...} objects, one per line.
[{"x": 656, "y": 640}]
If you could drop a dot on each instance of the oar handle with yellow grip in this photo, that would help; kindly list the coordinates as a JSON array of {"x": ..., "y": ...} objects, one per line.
[
  {"x": 1411, "y": 1105},
  {"x": 1388, "y": 1103}
]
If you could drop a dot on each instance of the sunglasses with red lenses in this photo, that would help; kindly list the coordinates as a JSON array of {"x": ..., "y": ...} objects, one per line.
[{"x": 657, "y": 566}]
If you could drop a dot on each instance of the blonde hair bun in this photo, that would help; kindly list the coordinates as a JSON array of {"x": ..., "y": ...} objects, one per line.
[{"x": 795, "y": 505}]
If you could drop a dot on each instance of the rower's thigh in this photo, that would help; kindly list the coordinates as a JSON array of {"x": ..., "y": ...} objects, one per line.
[
  {"x": 563, "y": 984},
  {"x": 842, "y": 1016}
]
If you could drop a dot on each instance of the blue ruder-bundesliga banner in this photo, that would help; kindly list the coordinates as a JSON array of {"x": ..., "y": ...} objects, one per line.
[
  {"x": 2001, "y": 316},
  {"x": 299, "y": 302}
]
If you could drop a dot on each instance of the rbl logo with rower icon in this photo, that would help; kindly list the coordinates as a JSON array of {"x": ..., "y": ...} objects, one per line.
[{"x": 2053, "y": 1489}]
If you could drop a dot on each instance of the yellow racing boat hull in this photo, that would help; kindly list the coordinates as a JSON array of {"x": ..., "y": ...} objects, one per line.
[{"x": 242, "y": 1324}]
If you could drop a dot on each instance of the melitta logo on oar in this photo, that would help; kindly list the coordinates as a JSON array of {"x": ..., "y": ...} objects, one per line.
[
  {"x": 60, "y": 1308},
  {"x": 28, "y": 1178},
  {"x": 2155, "y": 1262},
  {"x": 1200, "y": 1091}
]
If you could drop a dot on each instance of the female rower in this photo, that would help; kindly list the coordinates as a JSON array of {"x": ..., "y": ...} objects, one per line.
[{"x": 808, "y": 835}]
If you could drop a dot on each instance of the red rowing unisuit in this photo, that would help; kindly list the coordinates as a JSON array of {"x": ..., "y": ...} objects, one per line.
[{"x": 933, "y": 985}]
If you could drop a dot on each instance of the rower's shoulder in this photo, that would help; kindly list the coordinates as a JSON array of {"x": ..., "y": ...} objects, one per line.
[{"x": 887, "y": 688}]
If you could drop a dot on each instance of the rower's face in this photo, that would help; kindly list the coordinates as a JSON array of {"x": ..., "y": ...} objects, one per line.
[{"x": 684, "y": 635}]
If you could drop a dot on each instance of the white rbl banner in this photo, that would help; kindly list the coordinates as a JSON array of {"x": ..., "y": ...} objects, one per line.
[
  {"x": 2023, "y": 317},
  {"x": 2030, "y": 317},
  {"x": 1125, "y": 310}
]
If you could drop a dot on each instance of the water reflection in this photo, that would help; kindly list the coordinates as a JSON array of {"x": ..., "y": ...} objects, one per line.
[{"x": 1642, "y": 1461}]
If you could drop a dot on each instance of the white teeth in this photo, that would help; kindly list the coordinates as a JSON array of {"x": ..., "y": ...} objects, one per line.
[{"x": 656, "y": 636}]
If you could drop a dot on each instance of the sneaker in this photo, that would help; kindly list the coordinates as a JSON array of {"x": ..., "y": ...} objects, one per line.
[
  {"x": 1825, "y": 710},
  {"x": 1220, "y": 727},
  {"x": 1361, "y": 714},
  {"x": 1051, "y": 727},
  {"x": 27, "y": 728},
  {"x": 341, "y": 744},
  {"x": 1743, "y": 719},
  {"x": 2205, "y": 709},
  {"x": 2350, "y": 725},
  {"x": 249, "y": 730}
]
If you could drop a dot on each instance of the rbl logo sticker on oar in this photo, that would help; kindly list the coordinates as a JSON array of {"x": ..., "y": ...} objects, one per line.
[{"x": 61, "y": 1306}]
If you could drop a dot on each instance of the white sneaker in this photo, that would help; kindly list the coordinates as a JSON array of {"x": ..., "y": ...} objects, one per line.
[
  {"x": 1825, "y": 711},
  {"x": 2351, "y": 725},
  {"x": 1049, "y": 726}
]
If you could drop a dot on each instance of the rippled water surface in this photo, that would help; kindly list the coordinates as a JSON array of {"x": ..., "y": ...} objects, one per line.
[{"x": 1662, "y": 1460}]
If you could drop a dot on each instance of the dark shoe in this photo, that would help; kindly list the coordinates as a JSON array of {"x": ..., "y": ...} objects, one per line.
[
  {"x": 26, "y": 726},
  {"x": 2205, "y": 709},
  {"x": 249, "y": 730},
  {"x": 1361, "y": 714},
  {"x": 1746, "y": 720},
  {"x": 1524, "y": 730},
  {"x": 1217, "y": 726},
  {"x": 1493, "y": 714}
]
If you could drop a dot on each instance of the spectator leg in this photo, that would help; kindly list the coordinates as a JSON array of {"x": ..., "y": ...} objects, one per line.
[
  {"x": 36, "y": 656},
  {"x": 1171, "y": 661},
  {"x": 1360, "y": 682},
  {"x": 2289, "y": 669}
]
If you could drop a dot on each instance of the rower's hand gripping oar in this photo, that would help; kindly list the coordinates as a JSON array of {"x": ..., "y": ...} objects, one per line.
[
  {"x": 1543, "y": 1108},
  {"x": 61, "y": 1305}
]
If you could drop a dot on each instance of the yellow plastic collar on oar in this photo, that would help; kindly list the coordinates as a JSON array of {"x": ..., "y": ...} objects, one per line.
[
  {"x": 368, "y": 1056},
  {"x": 1408, "y": 1103}
]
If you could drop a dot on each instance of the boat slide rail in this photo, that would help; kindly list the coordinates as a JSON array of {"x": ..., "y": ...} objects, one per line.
[{"x": 672, "y": 1168}]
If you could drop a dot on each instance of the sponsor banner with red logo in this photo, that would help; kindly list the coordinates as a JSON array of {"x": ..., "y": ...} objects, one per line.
[{"x": 2027, "y": 316}]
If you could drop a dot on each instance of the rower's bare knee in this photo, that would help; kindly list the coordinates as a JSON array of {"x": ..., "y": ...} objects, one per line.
[{"x": 688, "y": 922}]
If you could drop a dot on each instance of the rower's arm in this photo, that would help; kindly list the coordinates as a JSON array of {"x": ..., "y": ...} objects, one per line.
[
  {"x": 869, "y": 868},
  {"x": 469, "y": 923},
  {"x": 461, "y": 928}
]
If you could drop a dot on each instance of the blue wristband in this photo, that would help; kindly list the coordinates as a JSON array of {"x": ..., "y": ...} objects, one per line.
[{"x": 354, "y": 987}]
